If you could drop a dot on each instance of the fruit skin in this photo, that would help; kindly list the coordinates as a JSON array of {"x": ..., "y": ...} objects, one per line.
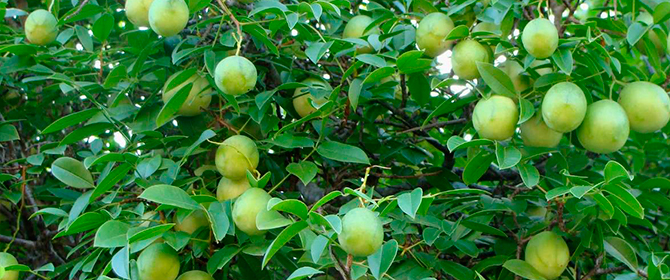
[
  {"x": 137, "y": 11},
  {"x": 195, "y": 275},
  {"x": 495, "y": 118},
  {"x": 564, "y": 107},
  {"x": 158, "y": 262},
  {"x": 465, "y": 56},
  {"x": 41, "y": 27},
  {"x": 302, "y": 96},
  {"x": 515, "y": 71},
  {"x": 247, "y": 207},
  {"x": 540, "y": 38},
  {"x": 199, "y": 96},
  {"x": 6, "y": 259},
  {"x": 168, "y": 17},
  {"x": 647, "y": 106},
  {"x": 548, "y": 253},
  {"x": 235, "y": 75},
  {"x": 605, "y": 128},
  {"x": 431, "y": 33},
  {"x": 229, "y": 189},
  {"x": 535, "y": 133},
  {"x": 192, "y": 222},
  {"x": 355, "y": 28},
  {"x": 235, "y": 156},
  {"x": 362, "y": 232}
]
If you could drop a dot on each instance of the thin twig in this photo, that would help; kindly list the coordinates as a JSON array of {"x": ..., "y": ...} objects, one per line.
[{"x": 81, "y": 6}]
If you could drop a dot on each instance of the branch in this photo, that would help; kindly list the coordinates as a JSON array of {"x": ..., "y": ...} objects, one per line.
[
  {"x": 21, "y": 242},
  {"x": 81, "y": 6},
  {"x": 433, "y": 125}
]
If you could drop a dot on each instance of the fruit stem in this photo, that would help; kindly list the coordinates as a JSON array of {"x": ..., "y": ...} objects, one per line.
[{"x": 239, "y": 36}]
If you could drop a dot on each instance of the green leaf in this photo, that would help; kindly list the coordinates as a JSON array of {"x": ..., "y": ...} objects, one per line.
[
  {"x": 8, "y": 133},
  {"x": 316, "y": 50},
  {"x": 457, "y": 142},
  {"x": 635, "y": 32},
  {"x": 529, "y": 174},
  {"x": 477, "y": 166},
  {"x": 410, "y": 202},
  {"x": 622, "y": 251},
  {"x": 563, "y": 59},
  {"x": 218, "y": 215},
  {"x": 580, "y": 191},
  {"x": 604, "y": 204},
  {"x": 483, "y": 228},
  {"x": 556, "y": 192},
  {"x": 103, "y": 26},
  {"x": 378, "y": 75},
  {"x": 293, "y": 206},
  {"x": 662, "y": 12},
  {"x": 325, "y": 199},
  {"x": 342, "y": 152},
  {"x": 614, "y": 170},
  {"x": 527, "y": 110},
  {"x": 523, "y": 269},
  {"x": 70, "y": 120},
  {"x": 110, "y": 180},
  {"x": 507, "y": 157},
  {"x": 457, "y": 33},
  {"x": 85, "y": 222},
  {"x": 303, "y": 272},
  {"x": 115, "y": 76},
  {"x": 381, "y": 260},
  {"x": 354, "y": 92},
  {"x": 305, "y": 170},
  {"x": 148, "y": 166},
  {"x": 85, "y": 131},
  {"x": 419, "y": 88},
  {"x": 496, "y": 79},
  {"x": 222, "y": 257},
  {"x": 372, "y": 59},
  {"x": 149, "y": 233},
  {"x": 167, "y": 113},
  {"x": 285, "y": 236},
  {"x": 625, "y": 200},
  {"x": 84, "y": 37},
  {"x": 270, "y": 220},
  {"x": 290, "y": 141},
  {"x": 111, "y": 234},
  {"x": 169, "y": 195},
  {"x": 72, "y": 173},
  {"x": 411, "y": 62},
  {"x": 318, "y": 246}
]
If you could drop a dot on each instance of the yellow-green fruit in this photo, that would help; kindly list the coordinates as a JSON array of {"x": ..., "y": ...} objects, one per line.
[
  {"x": 495, "y": 118},
  {"x": 235, "y": 156},
  {"x": 535, "y": 133},
  {"x": 647, "y": 106},
  {"x": 192, "y": 222},
  {"x": 564, "y": 107},
  {"x": 465, "y": 56},
  {"x": 362, "y": 232},
  {"x": 432, "y": 31},
  {"x": 605, "y": 128},
  {"x": 235, "y": 75},
  {"x": 302, "y": 98},
  {"x": 648, "y": 20},
  {"x": 536, "y": 211},
  {"x": 195, "y": 275},
  {"x": 158, "y": 262},
  {"x": 198, "y": 98},
  {"x": 41, "y": 27},
  {"x": 168, "y": 17},
  {"x": 515, "y": 71},
  {"x": 540, "y": 38},
  {"x": 355, "y": 28},
  {"x": 247, "y": 207},
  {"x": 229, "y": 189},
  {"x": 6, "y": 259},
  {"x": 137, "y": 11},
  {"x": 548, "y": 253}
]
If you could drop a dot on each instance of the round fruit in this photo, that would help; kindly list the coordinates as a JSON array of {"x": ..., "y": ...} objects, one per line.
[
  {"x": 247, "y": 207},
  {"x": 432, "y": 31},
  {"x": 302, "y": 98},
  {"x": 192, "y": 222},
  {"x": 515, "y": 71},
  {"x": 168, "y": 17},
  {"x": 355, "y": 28},
  {"x": 6, "y": 259},
  {"x": 158, "y": 262},
  {"x": 198, "y": 98},
  {"x": 564, "y": 107},
  {"x": 235, "y": 75},
  {"x": 605, "y": 128},
  {"x": 362, "y": 232},
  {"x": 495, "y": 118},
  {"x": 647, "y": 106},
  {"x": 548, "y": 253},
  {"x": 540, "y": 38},
  {"x": 229, "y": 189},
  {"x": 137, "y": 11},
  {"x": 465, "y": 56},
  {"x": 195, "y": 275},
  {"x": 648, "y": 20},
  {"x": 41, "y": 27},
  {"x": 235, "y": 156},
  {"x": 535, "y": 133}
]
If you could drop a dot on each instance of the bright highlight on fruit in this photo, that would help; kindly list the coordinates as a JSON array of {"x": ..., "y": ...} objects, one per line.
[
  {"x": 246, "y": 209},
  {"x": 192, "y": 222},
  {"x": 548, "y": 253},
  {"x": 198, "y": 98},
  {"x": 362, "y": 232},
  {"x": 168, "y": 17},
  {"x": 195, "y": 275},
  {"x": 431, "y": 34},
  {"x": 605, "y": 128},
  {"x": 647, "y": 106},
  {"x": 540, "y": 38},
  {"x": 235, "y": 156},
  {"x": 495, "y": 118},
  {"x": 41, "y": 27},
  {"x": 564, "y": 107},
  {"x": 235, "y": 75}
]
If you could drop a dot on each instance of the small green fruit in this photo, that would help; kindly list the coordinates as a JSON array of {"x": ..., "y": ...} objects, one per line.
[
  {"x": 302, "y": 98},
  {"x": 548, "y": 253},
  {"x": 235, "y": 156},
  {"x": 495, "y": 118},
  {"x": 355, "y": 28},
  {"x": 465, "y": 56},
  {"x": 535, "y": 133},
  {"x": 540, "y": 38},
  {"x": 195, "y": 275},
  {"x": 229, "y": 189},
  {"x": 6, "y": 259},
  {"x": 362, "y": 232},
  {"x": 192, "y": 222},
  {"x": 168, "y": 17},
  {"x": 246, "y": 209},
  {"x": 235, "y": 75},
  {"x": 564, "y": 107},
  {"x": 516, "y": 73},
  {"x": 432, "y": 31},
  {"x": 647, "y": 106},
  {"x": 158, "y": 262},
  {"x": 198, "y": 98},
  {"x": 137, "y": 11},
  {"x": 41, "y": 27},
  {"x": 605, "y": 128}
]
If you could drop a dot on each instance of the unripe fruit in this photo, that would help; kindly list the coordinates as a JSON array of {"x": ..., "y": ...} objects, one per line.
[
  {"x": 137, "y": 11},
  {"x": 168, "y": 17},
  {"x": 235, "y": 75},
  {"x": 302, "y": 98},
  {"x": 198, "y": 98},
  {"x": 515, "y": 72},
  {"x": 540, "y": 38},
  {"x": 158, "y": 262},
  {"x": 229, "y": 189},
  {"x": 355, "y": 28},
  {"x": 235, "y": 156},
  {"x": 548, "y": 253},
  {"x": 564, "y": 107},
  {"x": 247, "y": 207},
  {"x": 495, "y": 118},
  {"x": 41, "y": 27},
  {"x": 605, "y": 128},
  {"x": 195, "y": 275},
  {"x": 465, "y": 56},
  {"x": 647, "y": 106},
  {"x": 535, "y": 133},
  {"x": 192, "y": 222},
  {"x": 432, "y": 31},
  {"x": 6, "y": 259},
  {"x": 362, "y": 232}
]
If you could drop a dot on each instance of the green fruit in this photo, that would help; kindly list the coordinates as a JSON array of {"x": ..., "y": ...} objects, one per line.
[
  {"x": 198, "y": 98},
  {"x": 432, "y": 31},
  {"x": 41, "y": 27},
  {"x": 137, "y": 11},
  {"x": 229, "y": 189},
  {"x": 516, "y": 73},
  {"x": 564, "y": 107},
  {"x": 548, "y": 253},
  {"x": 302, "y": 98},
  {"x": 605, "y": 128},
  {"x": 465, "y": 56},
  {"x": 648, "y": 20},
  {"x": 158, "y": 262},
  {"x": 192, "y": 222},
  {"x": 362, "y": 232},
  {"x": 168, "y": 17},
  {"x": 6, "y": 259},
  {"x": 355, "y": 28},
  {"x": 195, "y": 275},
  {"x": 247, "y": 207},
  {"x": 495, "y": 118},
  {"x": 535, "y": 133},
  {"x": 235, "y": 75},
  {"x": 235, "y": 156},
  {"x": 647, "y": 106},
  {"x": 540, "y": 38},
  {"x": 536, "y": 211}
]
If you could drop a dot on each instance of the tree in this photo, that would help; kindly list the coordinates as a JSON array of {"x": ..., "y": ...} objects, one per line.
[{"x": 245, "y": 141}]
